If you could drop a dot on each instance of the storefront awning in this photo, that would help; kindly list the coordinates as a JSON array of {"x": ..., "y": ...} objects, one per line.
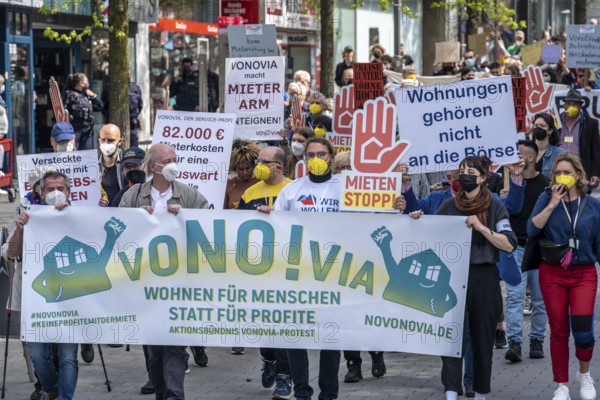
[{"x": 193, "y": 27}]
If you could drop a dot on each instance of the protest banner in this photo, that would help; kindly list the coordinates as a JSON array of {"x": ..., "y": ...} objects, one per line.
[
  {"x": 519, "y": 97},
  {"x": 539, "y": 97},
  {"x": 254, "y": 89},
  {"x": 446, "y": 123},
  {"x": 447, "y": 52},
  {"x": 343, "y": 110},
  {"x": 532, "y": 53},
  {"x": 591, "y": 102},
  {"x": 583, "y": 46},
  {"x": 202, "y": 142},
  {"x": 551, "y": 53},
  {"x": 477, "y": 43},
  {"x": 368, "y": 82},
  {"x": 340, "y": 142},
  {"x": 80, "y": 166},
  {"x": 278, "y": 280},
  {"x": 252, "y": 41}
]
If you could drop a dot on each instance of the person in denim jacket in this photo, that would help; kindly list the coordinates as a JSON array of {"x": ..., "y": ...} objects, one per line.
[{"x": 546, "y": 138}]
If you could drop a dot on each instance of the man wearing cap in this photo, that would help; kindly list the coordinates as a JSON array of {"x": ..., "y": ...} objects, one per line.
[
  {"x": 113, "y": 180},
  {"x": 579, "y": 135},
  {"x": 164, "y": 193},
  {"x": 132, "y": 165},
  {"x": 63, "y": 137},
  {"x": 515, "y": 49},
  {"x": 348, "y": 60}
]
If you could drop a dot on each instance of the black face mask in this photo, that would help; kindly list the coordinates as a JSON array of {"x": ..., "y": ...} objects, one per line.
[
  {"x": 186, "y": 71},
  {"x": 540, "y": 133},
  {"x": 468, "y": 182},
  {"x": 136, "y": 176}
]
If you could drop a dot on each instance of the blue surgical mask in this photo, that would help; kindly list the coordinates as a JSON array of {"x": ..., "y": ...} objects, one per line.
[{"x": 469, "y": 63}]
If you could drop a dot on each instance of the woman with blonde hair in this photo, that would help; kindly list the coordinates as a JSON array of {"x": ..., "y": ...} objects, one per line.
[{"x": 243, "y": 155}]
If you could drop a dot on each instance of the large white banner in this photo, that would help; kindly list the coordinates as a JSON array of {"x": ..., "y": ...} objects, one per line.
[
  {"x": 241, "y": 278},
  {"x": 202, "y": 142},
  {"x": 446, "y": 123},
  {"x": 80, "y": 166},
  {"x": 254, "y": 89}
]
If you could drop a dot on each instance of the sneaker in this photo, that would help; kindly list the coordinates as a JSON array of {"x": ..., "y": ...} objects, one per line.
[
  {"x": 283, "y": 387},
  {"x": 36, "y": 395},
  {"x": 378, "y": 368},
  {"x": 501, "y": 342},
  {"x": 513, "y": 354},
  {"x": 238, "y": 351},
  {"x": 148, "y": 388},
  {"x": 87, "y": 353},
  {"x": 528, "y": 306},
  {"x": 562, "y": 393},
  {"x": 354, "y": 374},
  {"x": 469, "y": 392},
  {"x": 586, "y": 388},
  {"x": 269, "y": 372},
  {"x": 200, "y": 357},
  {"x": 536, "y": 349}
]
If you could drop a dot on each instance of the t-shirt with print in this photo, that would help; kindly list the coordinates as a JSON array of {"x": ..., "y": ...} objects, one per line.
[
  {"x": 261, "y": 194},
  {"x": 311, "y": 194}
]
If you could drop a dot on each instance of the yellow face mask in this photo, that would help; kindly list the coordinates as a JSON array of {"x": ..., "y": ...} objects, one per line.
[
  {"x": 412, "y": 76},
  {"x": 572, "y": 111},
  {"x": 316, "y": 166},
  {"x": 262, "y": 172},
  {"x": 320, "y": 131},
  {"x": 315, "y": 109},
  {"x": 567, "y": 180}
]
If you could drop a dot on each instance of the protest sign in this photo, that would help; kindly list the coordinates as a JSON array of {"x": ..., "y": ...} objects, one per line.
[
  {"x": 539, "y": 97},
  {"x": 241, "y": 278},
  {"x": 551, "y": 53},
  {"x": 252, "y": 41},
  {"x": 370, "y": 192},
  {"x": 477, "y": 43},
  {"x": 254, "y": 93},
  {"x": 202, "y": 142},
  {"x": 591, "y": 102},
  {"x": 447, "y": 123},
  {"x": 368, "y": 82},
  {"x": 532, "y": 53},
  {"x": 80, "y": 166},
  {"x": 447, "y": 52},
  {"x": 583, "y": 46},
  {"x": 343, "y": 110},
  {"x": 340, "y": 142},
  {"x": 519, "y": 97}
]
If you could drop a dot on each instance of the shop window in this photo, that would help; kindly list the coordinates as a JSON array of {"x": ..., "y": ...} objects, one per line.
[{"x": 18, "y": 24}]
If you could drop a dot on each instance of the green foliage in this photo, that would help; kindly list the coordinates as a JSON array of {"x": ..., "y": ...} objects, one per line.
[{"x": 494, "y": 11}]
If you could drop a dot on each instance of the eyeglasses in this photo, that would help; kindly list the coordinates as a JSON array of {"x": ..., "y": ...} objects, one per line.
[
  {"x": 264, "y": 162},
  {"x": 319, "y": 154}
]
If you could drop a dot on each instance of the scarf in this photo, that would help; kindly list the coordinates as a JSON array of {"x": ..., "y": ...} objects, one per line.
[{"x": 478, "y": 205}]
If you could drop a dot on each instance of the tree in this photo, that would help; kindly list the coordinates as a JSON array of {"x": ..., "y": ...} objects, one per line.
[
  {"x": 327, "y": 69},
  {"x": 118, "y": 79}
]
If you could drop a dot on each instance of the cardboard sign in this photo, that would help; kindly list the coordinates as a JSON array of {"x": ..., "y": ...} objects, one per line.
[
  {"x": 447, "y": 123},
  {"x": 254, "y": 89},
  {"x": 532, "y": 53},
  {"x": 551, "y": 53},
  {"x": 202, "y": 142},
  {"x": 583, "y": 46},
  {"x": 80, "y": 166},
  {"x": 447, "y": 52},
  {"x": 539, "y": 97},
  {"x": 125, "y": 276},
  {"x": 370, "y": 192},
  {"x": 340, "y": 142},
  {"x": 368, "y": 82},
  {"x": 519, "y": 97},
  {"x": 343, "y": 110},
  {"x": 252, "y": 41},
  {"x": 477, "y": 43}
]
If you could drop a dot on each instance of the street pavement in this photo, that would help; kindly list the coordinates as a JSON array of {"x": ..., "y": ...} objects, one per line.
[{"x": 232, "y": 377}]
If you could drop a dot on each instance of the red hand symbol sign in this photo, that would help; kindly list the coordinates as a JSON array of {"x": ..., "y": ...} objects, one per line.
[
  {"x": 539, "y": 94},
  {"x": 375, "y": 148},
  {"x": 297, "y": 113},
  {"x": 390, "y": 95},
  {"x": 343, "y": 110}
]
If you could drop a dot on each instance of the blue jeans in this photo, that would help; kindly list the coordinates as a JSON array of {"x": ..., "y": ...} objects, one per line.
[
  {"x": 62, "y": 381},
  {"x": 329, "y": 367},
  {"x": 515, "y": 300}
]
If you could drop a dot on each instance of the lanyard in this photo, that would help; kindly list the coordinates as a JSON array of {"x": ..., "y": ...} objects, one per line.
[{"x": 574, "y": 221}]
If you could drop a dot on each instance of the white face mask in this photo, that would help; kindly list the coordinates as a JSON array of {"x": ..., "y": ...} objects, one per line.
[
  {"x": 297, "y": 149},
  {"x": 170, "y": 171},
  {"x": 55, "y": 197},
  {"x": 519, "y": 42},
  {"x": 71, "y": 146},
  {"x": 2, "y": 87},
  {"x": 108, "y": 149},
  {"x": 547, "y": 79}
]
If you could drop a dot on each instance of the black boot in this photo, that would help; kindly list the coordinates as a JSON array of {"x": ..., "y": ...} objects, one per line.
[
  {"x": 378, "y": 367},
  {"x": 354, "y": 374}
]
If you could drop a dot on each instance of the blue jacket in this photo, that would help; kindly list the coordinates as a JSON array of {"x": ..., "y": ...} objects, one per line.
[
  {"x": 558, "y": 227},
  {"x": 548, "y": 159},
  {"x": 429, "y": 205}
]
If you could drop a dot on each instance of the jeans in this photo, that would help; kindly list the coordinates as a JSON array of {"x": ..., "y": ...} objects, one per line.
[
  {"x": 329, "y": 367},
  {"x": 515, "y": 300},
  {"x": 167, "y": 371},
  {"x": 62, "y": 381},
  {"x": 467, "y": 353}
]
